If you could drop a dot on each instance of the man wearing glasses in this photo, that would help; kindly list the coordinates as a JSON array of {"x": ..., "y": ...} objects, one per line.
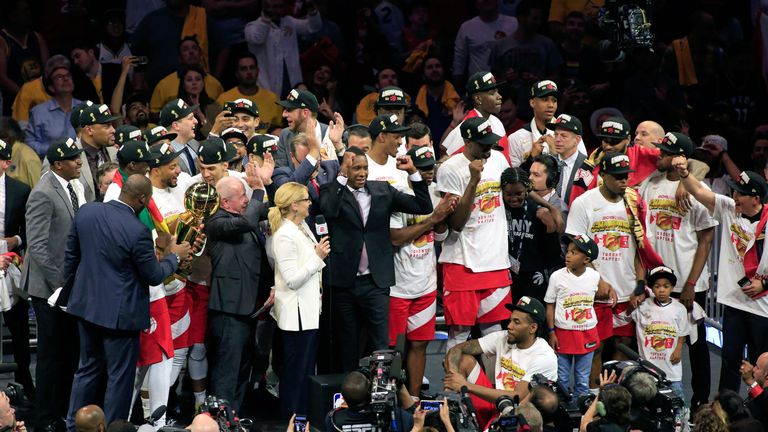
[{"x": 49, "y": 121}]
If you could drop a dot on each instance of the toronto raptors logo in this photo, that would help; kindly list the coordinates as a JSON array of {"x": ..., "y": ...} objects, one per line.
[{"x": 152, "y": 326}]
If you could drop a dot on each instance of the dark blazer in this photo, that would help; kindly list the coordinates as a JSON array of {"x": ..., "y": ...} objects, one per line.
[
  {"x": 569, "y": 186},
  {"x": 302, "y": 174},
  {"x": 235, "y": 251},
  {"x": 16, "y": 195},
  {"x": 110, "y": 263},
  {"x": 283, "y": 154},
  {"x": 347, "y": 231}
]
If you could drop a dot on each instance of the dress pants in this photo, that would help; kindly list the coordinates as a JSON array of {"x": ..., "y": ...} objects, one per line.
[
  {"x": 230, "y": 344},
  {"x": 57, "y": 355},
  {"x": 104, "y": 350},
  {"x": 17, "y": 320},
  {"x": 739, "y": 329},
  {"x": 300, "y": 350},
  {"x": 363, "y": 305},
  {"x": 699, "y": 355}
]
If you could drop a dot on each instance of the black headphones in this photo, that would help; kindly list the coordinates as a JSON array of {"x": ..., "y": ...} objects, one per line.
[{"x": 553, "y": 169}]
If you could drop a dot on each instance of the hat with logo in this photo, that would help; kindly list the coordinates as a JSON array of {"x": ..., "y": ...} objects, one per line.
[
  {"x": 260, "y": 144},
  {"x": 234, "y": 133},
  {"x": 749, "y": 183},
  {"x": 386, "y": 123},
  {"x": 162, "y": 154},
  {"x": 567, "y": 122},
  {"x": 530, "y": 306},
  {"x": 584, "y": 244},
  {"x": 482, "y": 82},
  {"x": 213, "y": 150},
  {"x": 391, "y": 96},
  {"x": 77, "y": 110},
  {"x": 615, "y": 163},
  {"x": 422, "y": 156},
  {"x": 614, "y": 127},
  {"x": 677, "y": 144},
  {"x": 127, "y": 133},
  {"x": 134, "y": 151},
  {"x": 97, "y": 114},
  {"x": 175, "y": 110},
  {"x": 661, "y": 272},
  {"x": 5, "y": 150},
  {"x": 479, "y": 130},
  {"x": 242, "y": 105},
  {"x": 299, "y": 99},
  {"x": 158, "y": 133},
  {"x": 63, "y": 150},
  {"x": 544, "y": 88}
]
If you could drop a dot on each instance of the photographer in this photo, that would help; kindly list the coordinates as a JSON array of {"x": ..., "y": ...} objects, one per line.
[
  {"x": 755, "y": 378},
  {"x": 642, "y": 387},
  {"x": 356, "y": 413},
  {"x": 8, "y": 416},
  {"x": 611, "y": 407},
  {"x": 547, "y": 402},
  {"x": 441, "y": 422},
  {"x": 519, "y": 352}
]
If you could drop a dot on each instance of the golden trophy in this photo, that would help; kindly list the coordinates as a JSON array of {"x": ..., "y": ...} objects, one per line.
[{"x": 201, "y": 201}]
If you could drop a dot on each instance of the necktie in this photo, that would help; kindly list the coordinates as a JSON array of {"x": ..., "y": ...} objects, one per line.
[
  {"x": 363, "y": 265},
  {"x": 316, "y": 185},
  {"x": 561, "y": 167},
  {"x": 73, "y": 198},
  {"x": 190, "y": 161}
]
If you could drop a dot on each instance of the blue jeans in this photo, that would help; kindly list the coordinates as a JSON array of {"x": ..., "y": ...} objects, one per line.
[{"x": 582, "y": 365}]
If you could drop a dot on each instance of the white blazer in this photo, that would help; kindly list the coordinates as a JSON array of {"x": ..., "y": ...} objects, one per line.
[{"x": 298, "y": 275}]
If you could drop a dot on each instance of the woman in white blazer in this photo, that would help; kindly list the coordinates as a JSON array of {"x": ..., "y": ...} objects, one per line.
[{"x": 298, "y": 270}]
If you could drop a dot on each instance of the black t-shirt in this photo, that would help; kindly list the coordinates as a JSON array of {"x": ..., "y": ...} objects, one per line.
[{"x": 528, "y": 239}]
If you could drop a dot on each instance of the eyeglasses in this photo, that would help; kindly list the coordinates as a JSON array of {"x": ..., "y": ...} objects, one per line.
[
  {"x": 237, "y": 143},
  {"x": 612, "y": 141},
  {"x": 61, "y": 77},
  {"x": 304, "y": 199}
]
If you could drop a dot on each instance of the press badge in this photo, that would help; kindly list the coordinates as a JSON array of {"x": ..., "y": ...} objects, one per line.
[{"x": 514, "y": 265}]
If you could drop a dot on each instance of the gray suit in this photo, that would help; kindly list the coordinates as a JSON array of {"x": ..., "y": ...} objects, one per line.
[
  {"x": 283, "y": 154},
  {"x": 86, "y": 176},
  {"x": 183, "y": 162},
  {"x": 49, "y": 218}
]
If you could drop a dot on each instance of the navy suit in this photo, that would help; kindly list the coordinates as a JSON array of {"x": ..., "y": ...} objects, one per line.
[
  {"x": 109, "y": 264},
  {"x": 302, "y": 174}
]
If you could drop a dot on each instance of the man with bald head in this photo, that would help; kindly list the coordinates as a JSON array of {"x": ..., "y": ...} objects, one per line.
[
  {"x": 90, "y": 418},
  {"x": 203, "y": 423},
  {"x": 648, "y": 134},
  {"x": 234, "y": 245},
  {"x": 108, "y": 273},
  {"x": 756, "y": 378}
]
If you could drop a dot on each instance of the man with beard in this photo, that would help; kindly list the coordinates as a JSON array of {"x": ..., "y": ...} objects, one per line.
[
  {"x": 97, "y": 139},
  {"x": 132, "y": 158},
  {"x": 366, "y": 109},
  {"x": 483, "y": 91},
  {"x": 683, "y": 239},
  {"x": 436, "y": 97},
  {"x": 299, "y": 107},
  {"x": 235, "y": 138},
  {"x": 519, "y": 352},
  {"x": 137, "y": 111},
  {"x": 535, "y": 138},
  {"x": 247, "y": 75}
]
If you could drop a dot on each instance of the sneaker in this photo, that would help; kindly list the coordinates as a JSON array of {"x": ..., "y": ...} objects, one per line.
[{"x": 273, "y": 383}]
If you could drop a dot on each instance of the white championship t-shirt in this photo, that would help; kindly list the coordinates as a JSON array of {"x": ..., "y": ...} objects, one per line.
[
  {"x": 606, "y": 223},
  {"x": 388, "y": 173},
  {"x": 415, "y": 262},
  {"x": 658, "y": 329},
  {"x": 574, "y": 298},
  {"x": 514, "y": 365},
  {"x": 738, "y": 235},
  {"x": 482, "y": 245},
  {"x": 672, "y": 233}
]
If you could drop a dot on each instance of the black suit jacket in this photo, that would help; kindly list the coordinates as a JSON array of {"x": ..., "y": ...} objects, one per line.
[
  {"x": 348, "y": 233},
  {"x": 16, "y": 195},
  {"x": 235, "y": 251}
]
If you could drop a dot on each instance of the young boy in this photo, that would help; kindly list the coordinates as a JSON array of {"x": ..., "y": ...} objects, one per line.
[
  {"x": 571, "y": 316},
  {"x": 661, "y": 324}
]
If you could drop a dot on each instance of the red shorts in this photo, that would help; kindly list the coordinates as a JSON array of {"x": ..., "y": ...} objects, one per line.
[
  {"x": 620, "y": 327},
  {"x": 178, "y": 310},
  {"x": 198, "y": 312},
  {"x": 483, "y": 306},
  {"x": 156, "y": 341},
  {"x": 486, "y": 410},
  {"x": 577, "y": 341},
  {"x": 604, "y": 314},
  {"x": 456, "y": 277},
  {"x": 414, "y": 317}
]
